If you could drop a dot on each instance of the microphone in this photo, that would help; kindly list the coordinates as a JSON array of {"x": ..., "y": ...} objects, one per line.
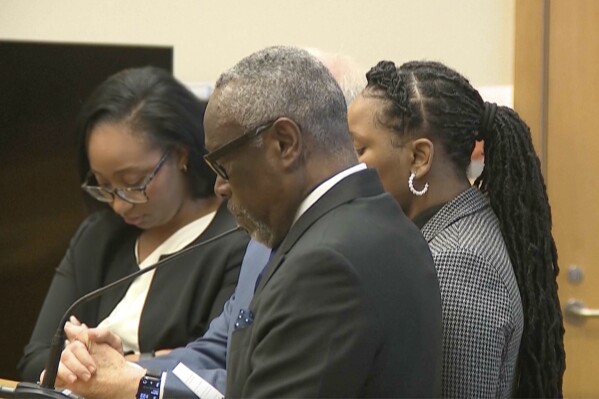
[{"x": 47, "y": 389}]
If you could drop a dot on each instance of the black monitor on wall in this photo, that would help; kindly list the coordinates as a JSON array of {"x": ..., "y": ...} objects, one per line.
[{"x": 42, "y": 86}]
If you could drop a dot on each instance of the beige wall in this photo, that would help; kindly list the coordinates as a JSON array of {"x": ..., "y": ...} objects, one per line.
[{"x": 474, "y": 36}]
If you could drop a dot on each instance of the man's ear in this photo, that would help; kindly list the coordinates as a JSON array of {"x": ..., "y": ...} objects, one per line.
[
  {"x": 288, "y": 140},
  {"x": 423, "y": 152}
]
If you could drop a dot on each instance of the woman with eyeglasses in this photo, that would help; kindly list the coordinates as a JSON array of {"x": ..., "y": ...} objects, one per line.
[{"x": 141, "y": 160}]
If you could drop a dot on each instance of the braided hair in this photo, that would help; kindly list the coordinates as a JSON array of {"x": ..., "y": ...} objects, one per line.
[{"x": 430, "y": 99}]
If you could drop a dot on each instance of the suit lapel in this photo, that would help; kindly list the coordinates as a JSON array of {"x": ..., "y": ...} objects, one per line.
[
  {"x": 119, "y": 264},
  {"x": 124, "y": 262},
  {"x": 360, "y": 184}
]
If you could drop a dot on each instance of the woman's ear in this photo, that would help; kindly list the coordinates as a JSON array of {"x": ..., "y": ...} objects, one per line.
[
  {"x": 423, "y": 152},
  {"x": 182, "y": 156}
]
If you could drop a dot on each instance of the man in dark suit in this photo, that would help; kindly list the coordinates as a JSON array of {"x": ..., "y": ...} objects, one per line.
[{"x": 349, "y": 306}]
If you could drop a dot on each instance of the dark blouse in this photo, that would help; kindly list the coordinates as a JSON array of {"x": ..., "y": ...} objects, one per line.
[{"x": 183, "y": 298}]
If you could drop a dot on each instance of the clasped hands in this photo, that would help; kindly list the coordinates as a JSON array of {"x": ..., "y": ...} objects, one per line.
[{"x": 92, "y": 364}]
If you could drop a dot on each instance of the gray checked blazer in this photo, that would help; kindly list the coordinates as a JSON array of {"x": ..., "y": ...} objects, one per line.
[{"x": 482, "y": 310}]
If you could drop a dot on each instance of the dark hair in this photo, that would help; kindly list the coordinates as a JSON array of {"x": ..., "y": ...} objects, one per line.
[
  {"x": 155, "y": 104},
  {"x": 428, "y": 98}
]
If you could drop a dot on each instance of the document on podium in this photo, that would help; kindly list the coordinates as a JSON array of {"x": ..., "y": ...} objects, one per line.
[
  {"x": 7, "y": 388},
  {"x": 7, "y": 383}
]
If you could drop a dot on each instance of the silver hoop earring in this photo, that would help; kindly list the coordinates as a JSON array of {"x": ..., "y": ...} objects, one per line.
[{"x": 417, "y": 193}]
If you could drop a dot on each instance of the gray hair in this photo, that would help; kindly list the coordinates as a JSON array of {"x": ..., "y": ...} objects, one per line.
[
  {"x": 286, "y": 81},
  {"x": 346, "y": 71}
]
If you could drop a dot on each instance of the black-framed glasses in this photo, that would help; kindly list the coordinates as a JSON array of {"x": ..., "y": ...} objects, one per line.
[
  {"x": 133, "y": 195},
  {"x": 212, "y": 157}
]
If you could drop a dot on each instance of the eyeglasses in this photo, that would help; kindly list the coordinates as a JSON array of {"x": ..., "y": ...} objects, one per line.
[
  {"x": 211, "y": 158},
  {"x": 133, "y": 195}
]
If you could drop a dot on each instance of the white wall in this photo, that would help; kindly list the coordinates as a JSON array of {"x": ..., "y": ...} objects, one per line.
[{"x": 474, "y": 36}]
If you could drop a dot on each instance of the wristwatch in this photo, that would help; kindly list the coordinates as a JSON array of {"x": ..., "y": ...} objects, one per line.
[{"x": 149, "y": 385}]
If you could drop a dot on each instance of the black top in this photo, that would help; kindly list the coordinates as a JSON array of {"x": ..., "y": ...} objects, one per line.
[{"x": 183, "y": 298}]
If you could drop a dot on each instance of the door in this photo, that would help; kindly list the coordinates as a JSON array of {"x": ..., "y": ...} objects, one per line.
[{"x": 562, "y": 101}]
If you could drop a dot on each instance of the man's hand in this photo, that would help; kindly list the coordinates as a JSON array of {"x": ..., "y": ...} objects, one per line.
[
  {"x": 76, "y": 361},
  {"x": 114, "y": 377},
  {"x": 74, "y": 329}
]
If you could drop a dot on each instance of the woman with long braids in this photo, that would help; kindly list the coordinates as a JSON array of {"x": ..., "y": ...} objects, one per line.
[{"x": 492, "y": 243}]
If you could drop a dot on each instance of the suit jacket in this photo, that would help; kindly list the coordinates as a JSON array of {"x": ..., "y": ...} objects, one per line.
[
  {"x": 482, "y": 311},
  {"x": 182, "y": 299},
  {"x": 349, "y": 306},
  {"x": 207, "y": 356}
]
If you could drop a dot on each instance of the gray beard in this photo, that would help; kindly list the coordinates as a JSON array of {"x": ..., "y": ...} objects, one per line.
[{"x": 257, "y": 229}]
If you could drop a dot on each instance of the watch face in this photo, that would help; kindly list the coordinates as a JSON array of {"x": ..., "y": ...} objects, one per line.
[{"x": 149, "y": 387}]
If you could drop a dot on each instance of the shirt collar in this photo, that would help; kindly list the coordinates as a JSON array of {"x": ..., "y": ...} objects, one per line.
[
  {"x": 325, "y": 186},
  {"x": 179, "y": 240}
]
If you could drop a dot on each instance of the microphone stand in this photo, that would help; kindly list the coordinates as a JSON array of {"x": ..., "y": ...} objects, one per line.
[{"x": 46, "y": 389}]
